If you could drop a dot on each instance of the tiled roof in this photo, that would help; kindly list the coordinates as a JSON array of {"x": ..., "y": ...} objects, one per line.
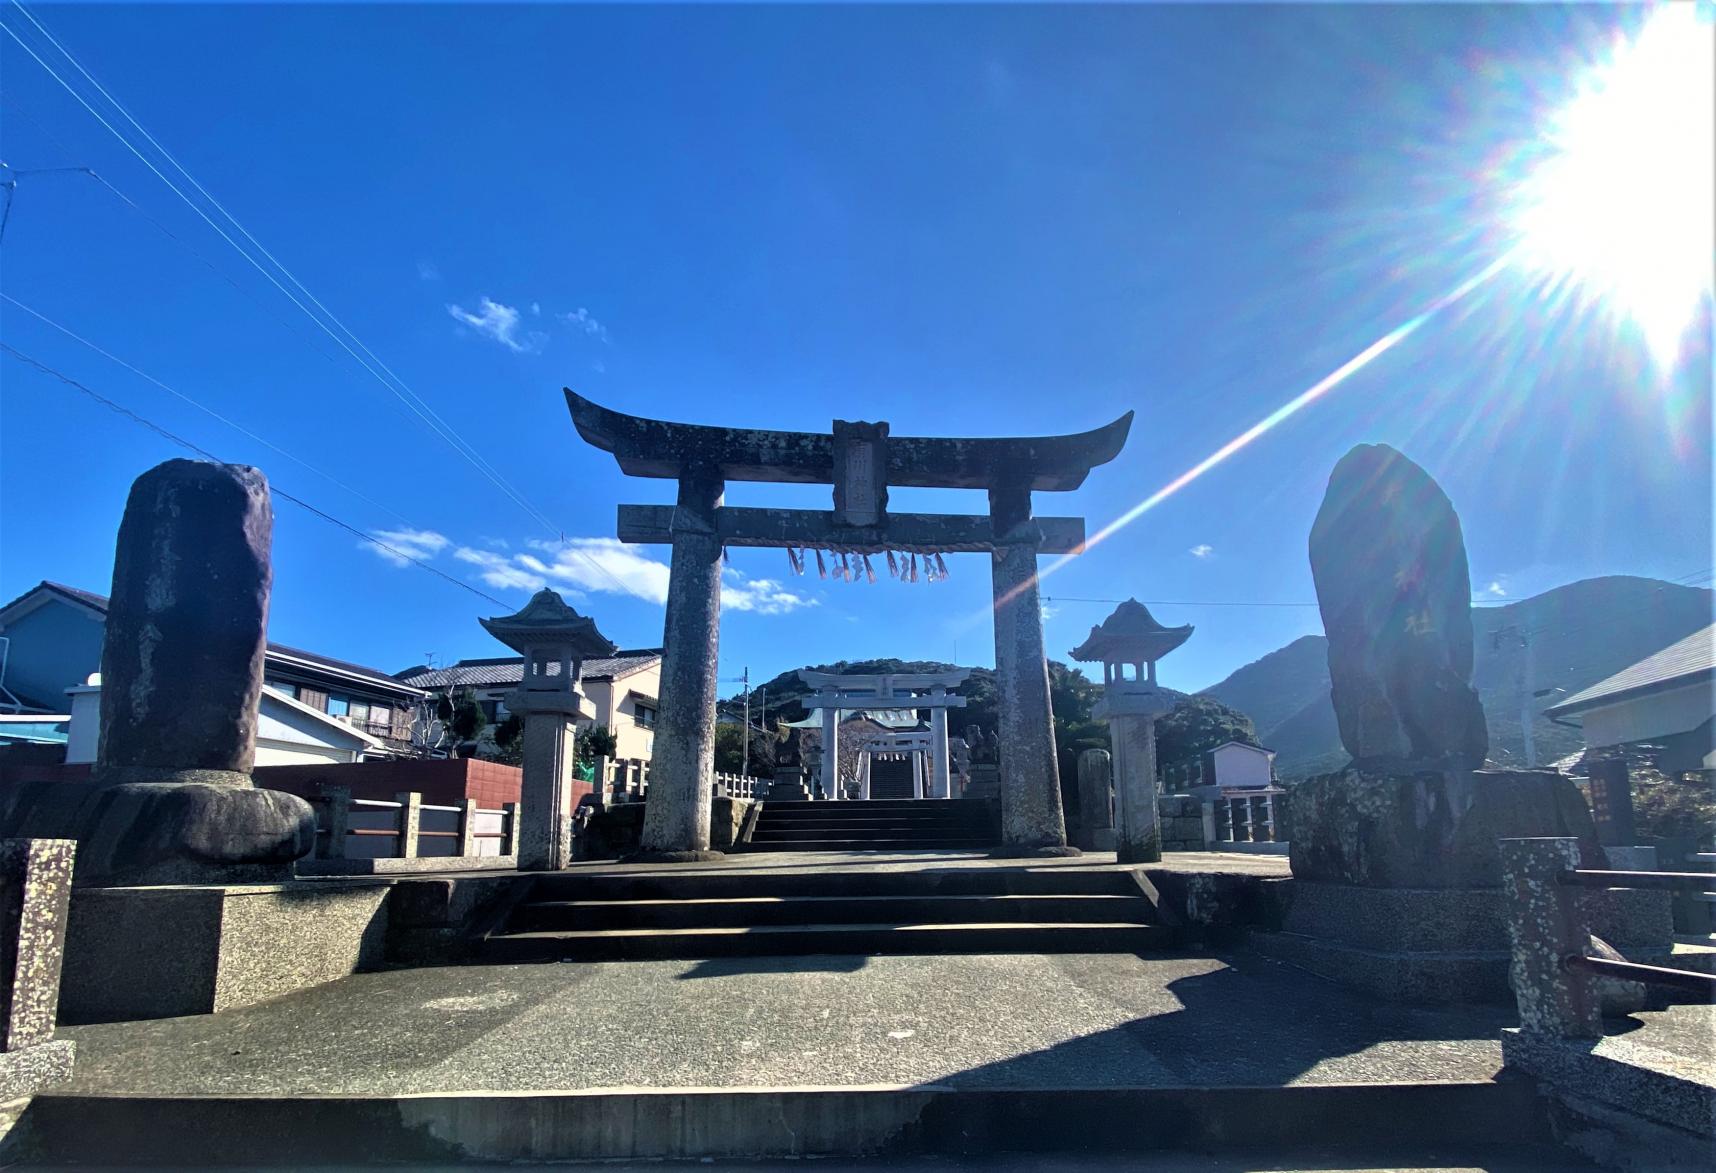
[
  {"x": 99, "y": 603},
  {"x": 1682, "y": 663},
  {"x": 504, "y": 670}
]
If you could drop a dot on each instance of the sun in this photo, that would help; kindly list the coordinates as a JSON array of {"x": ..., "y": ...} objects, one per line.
[{"x": 1618, "y": 210}]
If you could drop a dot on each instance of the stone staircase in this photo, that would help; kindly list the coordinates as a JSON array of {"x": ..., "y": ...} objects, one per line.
[
  {"x": 718, "y": 913},
  {"x": 892, "y": 824}
]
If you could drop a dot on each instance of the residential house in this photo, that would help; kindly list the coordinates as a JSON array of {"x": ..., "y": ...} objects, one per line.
[
  {"x": 618, "y": 691},
  {"x": 288, "y": 731},
  {"x": 1666, "y": 699},
  {"x": 53, "y": 637}
]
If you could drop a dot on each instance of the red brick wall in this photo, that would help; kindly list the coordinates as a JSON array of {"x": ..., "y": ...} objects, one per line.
[{"x": 445, "y": 782}]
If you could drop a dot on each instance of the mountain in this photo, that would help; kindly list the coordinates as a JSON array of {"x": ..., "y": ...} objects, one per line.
[{"x": 1577, "y": 635}]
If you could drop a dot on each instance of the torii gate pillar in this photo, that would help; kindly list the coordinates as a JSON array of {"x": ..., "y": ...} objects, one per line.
[
  {"x": 1032, "y": 821},
  {"x": 676, "y": 813}
]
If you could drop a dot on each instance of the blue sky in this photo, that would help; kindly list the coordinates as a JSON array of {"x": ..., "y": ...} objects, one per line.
[{"x": 964, "y": 221}]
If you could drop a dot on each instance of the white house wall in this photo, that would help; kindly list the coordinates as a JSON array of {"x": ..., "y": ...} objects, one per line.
[
  {"x": 1239, "y": 765},
  {"x": 1660, "y": 714}
]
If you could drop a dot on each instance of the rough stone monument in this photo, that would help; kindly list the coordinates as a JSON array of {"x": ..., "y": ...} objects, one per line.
[
  {"x": 172, "y": 800},
  {"x": 1095, "y": 800},
  {"x": 1397, "y": 874},
  {"x": 1389, "y": 562}
]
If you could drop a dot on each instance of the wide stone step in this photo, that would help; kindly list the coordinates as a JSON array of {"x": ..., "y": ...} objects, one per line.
[
  {"x": 743, "y": 911},
  {"x": 772, "y": 835},
  {"x": 822, "y": 939},
  {"x": 994, "y": 880},
  {"x": 858, "y": 806},
  {"x": 877, "y": 843},
  {"x": 1499, "y": 1125}
]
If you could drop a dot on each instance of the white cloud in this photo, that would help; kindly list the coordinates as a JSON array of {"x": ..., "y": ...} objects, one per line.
[
  {"x": 605, "y": 564},
  {"x": 581, "y": 320},
  {"x": 764, "y": 596},
  {"x": 609, "y": 566},
  {"x": 1049, "y": 611},
  {"x": 536, "y": 309},
  {"x": 499, "y": 571},
  {"x": 1496, "y": 589},
  {"x": 1202, "y": 550},
  {"x": 405, "y": 544},
  {"x": 426, "y": 271},
  {"x": 499, "y": 322}
]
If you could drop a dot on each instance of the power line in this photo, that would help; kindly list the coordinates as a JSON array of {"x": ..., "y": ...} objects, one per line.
[
  {"x": 205, "y": 409},
  {"x": 1171, "y": 602},
  {"x": 409, "y": 398},
  {"x": 212, "y": 458}
]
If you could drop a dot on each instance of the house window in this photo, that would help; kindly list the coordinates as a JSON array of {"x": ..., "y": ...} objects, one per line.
[
  {"x": 290, "y": 690},
  {"x": 338, "y": 706},
  {"x": 644, "y": 715},
  {"x": 359, "y": 713}
]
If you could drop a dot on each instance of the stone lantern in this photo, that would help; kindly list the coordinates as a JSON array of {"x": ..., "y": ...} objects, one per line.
[
  {"x": 554, "y": 641},
  {"x": 1128, "y": 643}
]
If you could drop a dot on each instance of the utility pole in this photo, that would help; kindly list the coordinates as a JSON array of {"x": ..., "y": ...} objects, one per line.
[
  {"x": 745, "y": 741},
  {"x": 1525, "y": 681}
]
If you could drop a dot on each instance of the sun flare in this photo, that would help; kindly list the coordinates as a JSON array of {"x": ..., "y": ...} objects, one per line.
[{"x": 1619, "y": 210}]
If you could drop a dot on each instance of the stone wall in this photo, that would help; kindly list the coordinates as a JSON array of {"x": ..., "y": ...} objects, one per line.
[
  {"x": 616, "y": 831},
  {"x": 1182, "y": 823}
]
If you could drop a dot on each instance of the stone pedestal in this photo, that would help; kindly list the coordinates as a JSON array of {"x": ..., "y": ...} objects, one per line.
[
  {"x": 788, "y": 786},
  {"x": 1131, "y": 709},
  {"x": 546, "y": 799},
  {"x": 35, "y": 888},
  {"x": 164, "y": 952},
  {"x": 1032, "y": 821},
  {"x": 676, "y": 816},
  {"x": 1397, "y": 883},
  {"x": 1095, "y": 801}
]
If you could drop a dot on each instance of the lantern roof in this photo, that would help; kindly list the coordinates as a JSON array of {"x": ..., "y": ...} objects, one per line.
[
  {"x": 1130, "y": 635},
  {"x": 547, "y": 619}
]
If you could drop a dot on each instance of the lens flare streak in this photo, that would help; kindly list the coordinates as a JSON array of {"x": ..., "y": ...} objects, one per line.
[{"x": 1305, "y": 398}]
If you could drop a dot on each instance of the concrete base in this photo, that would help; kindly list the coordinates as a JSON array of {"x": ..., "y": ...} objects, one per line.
[
  {"x": 423, "y": 865},
  {"x": 1439, "y": 944},
  {"x": 1620, "y": 1103},
  {"x": 168, "y": 951},
  {"x": 28, "y": 1070}
]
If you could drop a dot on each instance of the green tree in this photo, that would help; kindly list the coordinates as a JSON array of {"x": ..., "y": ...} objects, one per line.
[
  {"x": 466, "y": 718},
  {"x": 509, "y": 742},
  {"x": 598, "y": 741},
  {"x": 1197, "y": 724}
]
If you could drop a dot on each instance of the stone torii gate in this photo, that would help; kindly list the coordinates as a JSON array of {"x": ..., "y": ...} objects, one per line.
[
  {"x": 861, "y": 461},
  {"x": 902, "y": 691}
]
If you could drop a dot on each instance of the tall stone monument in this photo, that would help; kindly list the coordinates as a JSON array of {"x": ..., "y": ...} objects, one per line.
[
  {"x": 1397, "y": 874},
  {"x": 181, "y": 668},
  {"x": 554, "y": 641}
]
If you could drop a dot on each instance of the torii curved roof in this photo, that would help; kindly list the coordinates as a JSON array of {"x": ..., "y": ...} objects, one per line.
[{"x": 658, "y": 448}]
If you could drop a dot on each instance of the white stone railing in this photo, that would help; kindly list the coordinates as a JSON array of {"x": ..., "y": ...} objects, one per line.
[
  {"x": 406, "y": 827},
  {"x": 1247, "y": 817},
  {"x": 735, "y": 786}
]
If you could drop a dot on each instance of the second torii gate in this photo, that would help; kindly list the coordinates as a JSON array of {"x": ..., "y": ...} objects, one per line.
[
  {"x": 861, "y": 461},
  {"x": 883, "y": 692}
]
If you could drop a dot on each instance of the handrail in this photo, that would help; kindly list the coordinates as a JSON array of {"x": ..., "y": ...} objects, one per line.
[
  {"x": 1656, "y": 975},
  {"x": 1603, "y": 878}
]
